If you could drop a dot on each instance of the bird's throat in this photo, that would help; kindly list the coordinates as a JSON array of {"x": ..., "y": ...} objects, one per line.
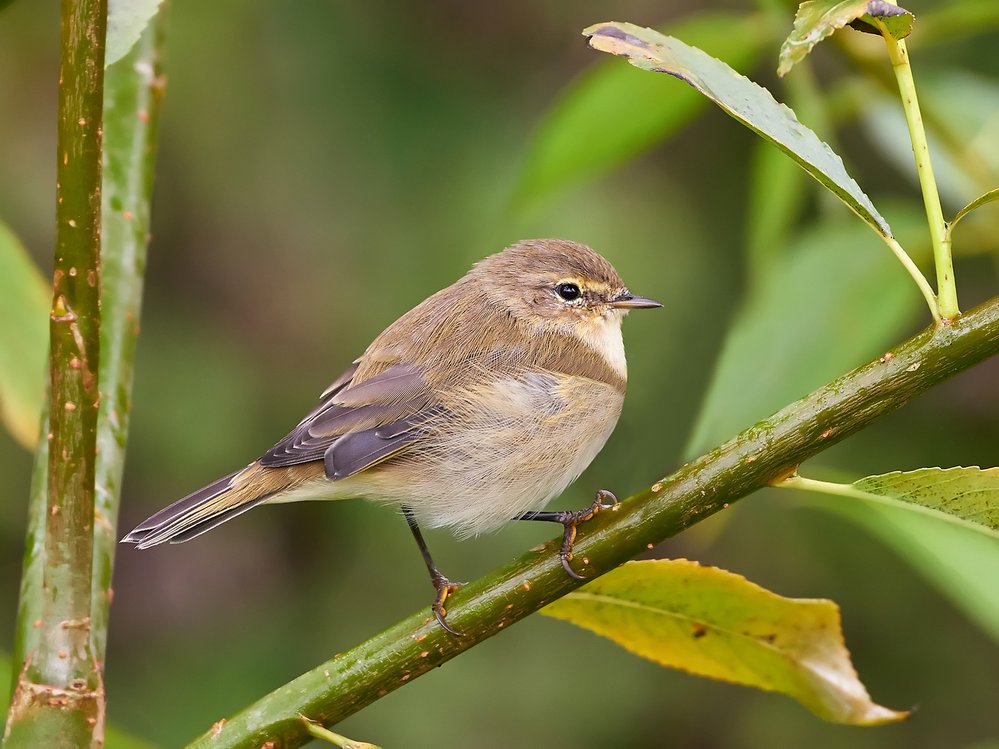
[{"x": 603, "y": 335}]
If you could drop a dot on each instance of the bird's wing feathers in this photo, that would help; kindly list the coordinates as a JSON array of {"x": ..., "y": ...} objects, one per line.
[
  {"x": 359, "y": 424},
  {"x": 358, "y": 451},
  {"x": 342, "y": 381},
  {"x": 398, "y": 383}
]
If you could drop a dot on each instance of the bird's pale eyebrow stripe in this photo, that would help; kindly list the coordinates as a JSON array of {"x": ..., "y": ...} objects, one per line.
[{"x": 585, "y": 284}]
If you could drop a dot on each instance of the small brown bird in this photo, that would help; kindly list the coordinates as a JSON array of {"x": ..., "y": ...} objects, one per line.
[{"x": 475, "y": 408}]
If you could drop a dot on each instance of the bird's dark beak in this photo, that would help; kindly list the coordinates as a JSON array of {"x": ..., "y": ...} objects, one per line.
[{"x": 630, "y": 301}]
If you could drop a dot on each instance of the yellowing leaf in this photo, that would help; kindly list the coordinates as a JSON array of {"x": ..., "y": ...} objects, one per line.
[
  {"x": 24, "y": 339},
  {"x": 970, "y": 494},
  {"x": 718, "y": 624},
  {"x": 750, "y": 104},
  {"x": 817, "y": 19}
]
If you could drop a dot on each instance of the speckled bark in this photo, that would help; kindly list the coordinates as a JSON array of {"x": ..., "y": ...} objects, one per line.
[{"x": 59, "y": 695}]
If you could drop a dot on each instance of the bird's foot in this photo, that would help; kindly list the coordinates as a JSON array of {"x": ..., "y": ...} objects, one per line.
[
  {"x": 571, "y": 520},
  {"x": 444, "y": 588}
]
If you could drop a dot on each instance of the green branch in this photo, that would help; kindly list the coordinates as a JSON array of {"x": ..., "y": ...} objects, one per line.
[
  {"x": 59, "y": 697},
  {"x": 765, "y": 453}
]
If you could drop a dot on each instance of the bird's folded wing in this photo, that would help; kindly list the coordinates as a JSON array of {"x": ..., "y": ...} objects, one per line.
[{"x": 358, "y": 425}]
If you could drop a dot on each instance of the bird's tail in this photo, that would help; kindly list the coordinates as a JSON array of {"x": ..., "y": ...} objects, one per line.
[{"x": 208, "y": 507}]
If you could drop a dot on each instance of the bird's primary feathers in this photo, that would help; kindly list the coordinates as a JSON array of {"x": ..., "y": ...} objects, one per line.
[{"x": 478, "y": 405}]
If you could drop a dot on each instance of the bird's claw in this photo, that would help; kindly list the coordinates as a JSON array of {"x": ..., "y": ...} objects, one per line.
[
  {"x": 444, "y": 588},
  {"x": 571, "y": 520},
  {"x": 603, "y": 494}
]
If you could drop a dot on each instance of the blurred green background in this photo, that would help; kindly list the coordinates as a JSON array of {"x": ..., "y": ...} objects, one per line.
[{"x": 325, "y": 166}]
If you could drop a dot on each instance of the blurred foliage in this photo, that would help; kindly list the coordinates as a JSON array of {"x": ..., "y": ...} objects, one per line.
[
  {"x": 787, "y": 338},
  {"x": 611, "y": 113},
  {"x": 24, "y": 304},
  {"x": 959, "y": 107},
  {"x": 326, "y": 166},
  {"x": 960, "y": 560}
]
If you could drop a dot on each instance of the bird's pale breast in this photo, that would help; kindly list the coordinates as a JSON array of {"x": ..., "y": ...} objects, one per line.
[{"x": 506, "y": 448}]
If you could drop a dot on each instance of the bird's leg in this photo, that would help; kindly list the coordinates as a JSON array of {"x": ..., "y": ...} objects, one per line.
[
  {"x": 442, "y": 585},
  {"x": 570, "y": 519}
]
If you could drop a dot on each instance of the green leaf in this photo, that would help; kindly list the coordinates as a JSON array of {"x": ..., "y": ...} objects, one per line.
[
  {"x": 832, "y": 303},
  {"x": 747, "y": 102},
  {"x": 818, "y": 19},
  {"x": 717, "y": 624},
  {"x": 612, "y": 113},
  {"x": 971, "y": 494},
  {"x": 126, "y": 20},
  {"x": 963, "y": 564},
  {"x": 978, "y": 202},
  {"x": 24, "y": 339}
]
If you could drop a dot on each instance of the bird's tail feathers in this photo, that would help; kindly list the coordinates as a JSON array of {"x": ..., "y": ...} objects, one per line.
[{"x": 193, "y": 515}]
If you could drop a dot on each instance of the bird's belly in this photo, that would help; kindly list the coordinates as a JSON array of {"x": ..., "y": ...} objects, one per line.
[{"x": 505, "y": 451}]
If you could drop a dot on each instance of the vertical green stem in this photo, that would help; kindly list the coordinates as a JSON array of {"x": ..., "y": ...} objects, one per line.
[
  {"x": 65, "y": 657},
  {"x": 946, "y": 286},
  {"x": 59, "y": 698},
  {"x": 133, "y": 93}
]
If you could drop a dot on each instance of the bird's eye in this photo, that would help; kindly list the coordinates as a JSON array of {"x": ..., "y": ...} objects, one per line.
[{"x": 568, "y": 291}]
